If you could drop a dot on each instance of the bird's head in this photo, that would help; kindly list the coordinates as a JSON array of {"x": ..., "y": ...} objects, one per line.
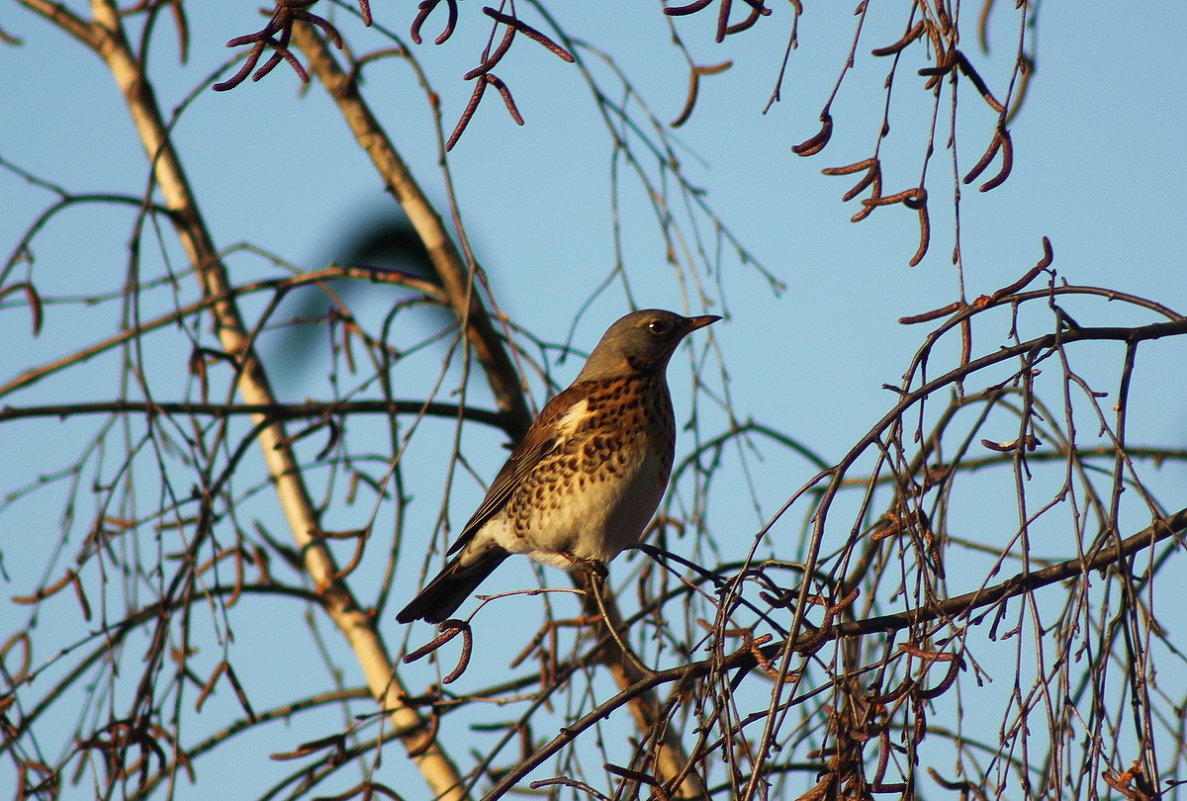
[{"x": 640, "y": 342}]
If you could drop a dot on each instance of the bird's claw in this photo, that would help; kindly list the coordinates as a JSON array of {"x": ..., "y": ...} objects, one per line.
[{"x": 594, "y": 567}]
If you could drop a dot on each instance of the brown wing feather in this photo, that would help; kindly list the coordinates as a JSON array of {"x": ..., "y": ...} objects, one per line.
[{"x": 542, "y": 438}]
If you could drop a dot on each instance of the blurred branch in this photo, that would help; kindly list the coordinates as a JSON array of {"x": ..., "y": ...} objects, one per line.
[
  {"x": 456, "y": 275},
  {"x": 67, "y": 20}
]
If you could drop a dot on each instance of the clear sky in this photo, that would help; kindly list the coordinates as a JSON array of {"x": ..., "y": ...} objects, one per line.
[{"x": 1098, "y": 168}]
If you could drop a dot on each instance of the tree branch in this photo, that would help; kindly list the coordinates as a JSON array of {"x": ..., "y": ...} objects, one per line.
[
  {"x": 459, "y": 287},
  {"x": 355, "y": 623},
  {"x": 745, "y": 658},
  {"x": 274, "y": 411}
]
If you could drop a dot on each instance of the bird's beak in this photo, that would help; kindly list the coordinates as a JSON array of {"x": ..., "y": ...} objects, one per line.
[{"x": 693, "y": 323}]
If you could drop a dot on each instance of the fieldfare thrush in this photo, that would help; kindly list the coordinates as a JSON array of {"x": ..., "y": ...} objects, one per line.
[{"x": 588, "y": 475}]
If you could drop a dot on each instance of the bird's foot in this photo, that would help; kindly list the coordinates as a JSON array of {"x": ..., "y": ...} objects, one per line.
[{"x": 593, "y": 567}]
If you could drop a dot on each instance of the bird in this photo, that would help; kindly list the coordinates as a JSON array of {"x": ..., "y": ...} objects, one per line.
[{"x": 587, "y": 476}]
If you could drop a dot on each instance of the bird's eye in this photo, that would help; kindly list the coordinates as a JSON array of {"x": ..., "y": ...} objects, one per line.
[{"x": 658, "y": 327}]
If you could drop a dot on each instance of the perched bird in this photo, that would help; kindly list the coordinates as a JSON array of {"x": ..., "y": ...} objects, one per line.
[{"x": 588, "y": 475}]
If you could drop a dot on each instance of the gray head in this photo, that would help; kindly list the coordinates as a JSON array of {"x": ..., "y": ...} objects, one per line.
[{"x": 641, "y": 342}]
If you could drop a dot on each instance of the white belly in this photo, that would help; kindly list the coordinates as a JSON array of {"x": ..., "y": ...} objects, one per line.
[{"x": 595, "y": 520}]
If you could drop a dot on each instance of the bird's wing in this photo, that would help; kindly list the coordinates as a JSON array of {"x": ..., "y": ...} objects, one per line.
[{"x": 557, "y": 421}]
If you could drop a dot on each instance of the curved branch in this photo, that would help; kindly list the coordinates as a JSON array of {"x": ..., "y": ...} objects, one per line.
[{"x": 746, "y": 658}]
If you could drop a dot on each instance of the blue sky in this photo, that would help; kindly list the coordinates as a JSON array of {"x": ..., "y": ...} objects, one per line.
[{"x": 1098, "y": 169}]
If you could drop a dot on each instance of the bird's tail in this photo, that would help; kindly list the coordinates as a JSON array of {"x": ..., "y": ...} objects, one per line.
[{"x": 453, "y": 585}]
